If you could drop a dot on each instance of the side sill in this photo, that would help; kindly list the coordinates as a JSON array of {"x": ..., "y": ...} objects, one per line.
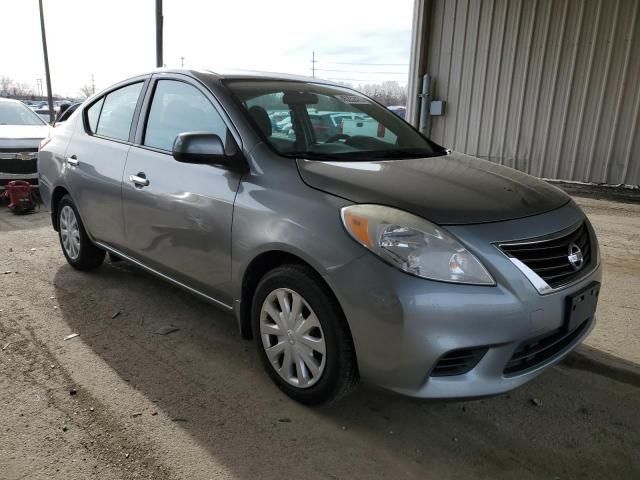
[{"x": 164, "y": 277}]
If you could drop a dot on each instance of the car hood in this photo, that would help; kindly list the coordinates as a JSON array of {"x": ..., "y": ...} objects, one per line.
[
  {"x": 452, "y": 189},
  {"x": 23, "y": 131}
]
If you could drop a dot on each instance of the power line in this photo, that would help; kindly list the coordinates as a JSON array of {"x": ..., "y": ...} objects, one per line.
[
  {"x": 356, "y": 71},
  {"x": 333, "y": 79}
]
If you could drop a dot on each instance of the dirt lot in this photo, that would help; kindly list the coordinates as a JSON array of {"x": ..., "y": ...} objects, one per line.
[
  {"x": 618, "y": 228},
  {"x": 195, "y": 404}
]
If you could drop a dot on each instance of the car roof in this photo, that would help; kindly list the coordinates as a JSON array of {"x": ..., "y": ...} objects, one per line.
[
  {"x": 242, "y": 75},
  {"x": 258, "y": 75}
]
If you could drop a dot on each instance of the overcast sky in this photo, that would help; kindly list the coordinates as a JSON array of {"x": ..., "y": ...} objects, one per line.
[{"x": 114, "y": 39}]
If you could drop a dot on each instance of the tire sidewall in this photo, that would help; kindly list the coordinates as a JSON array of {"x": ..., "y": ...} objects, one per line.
[
  {"x": 84, "y": 239},
  {"x": 324, "y": 308}
]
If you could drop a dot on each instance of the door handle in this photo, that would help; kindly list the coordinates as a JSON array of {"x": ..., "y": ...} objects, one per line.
[
  {"x": 139, "y": 180},
  {"x": 73, "y": 160}
]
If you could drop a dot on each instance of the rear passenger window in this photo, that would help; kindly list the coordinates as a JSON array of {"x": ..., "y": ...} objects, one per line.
[
  {"x": 178, "y": 107},
  {"x": 117, "y": 112},
  {"x": 93, "y": 113}
]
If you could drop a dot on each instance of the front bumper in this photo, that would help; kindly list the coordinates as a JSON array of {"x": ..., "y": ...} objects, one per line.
[
  {"x": 5, "y": 178},
  {"x": 403, "y": 325}
]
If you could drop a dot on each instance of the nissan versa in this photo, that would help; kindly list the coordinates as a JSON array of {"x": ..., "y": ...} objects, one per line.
[{"x": 376, "y": 255}]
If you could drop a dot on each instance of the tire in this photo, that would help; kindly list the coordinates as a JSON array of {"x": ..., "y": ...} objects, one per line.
[
  {"x": 337, "y": 371},
  {"x": 81, "y": 254}
]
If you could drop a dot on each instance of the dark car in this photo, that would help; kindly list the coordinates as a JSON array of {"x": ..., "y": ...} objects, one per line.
[{"x": 66, "y": 113}]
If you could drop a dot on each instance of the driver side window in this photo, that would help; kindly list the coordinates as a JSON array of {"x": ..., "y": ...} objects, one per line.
[{"x": 178, "y": 107}]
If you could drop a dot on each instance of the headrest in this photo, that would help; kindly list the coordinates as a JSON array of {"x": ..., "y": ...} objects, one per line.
[{"x": 261, "y": 117}]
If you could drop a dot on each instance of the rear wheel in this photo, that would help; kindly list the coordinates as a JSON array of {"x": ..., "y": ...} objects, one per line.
[
  {"x": 78, "y": 249},
  {"x": 302, "y": 337}
]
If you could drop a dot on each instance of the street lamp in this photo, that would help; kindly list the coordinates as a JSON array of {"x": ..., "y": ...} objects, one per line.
[
  {"x": 46, "y": 64},
  {"x": 159, "y": 22}
]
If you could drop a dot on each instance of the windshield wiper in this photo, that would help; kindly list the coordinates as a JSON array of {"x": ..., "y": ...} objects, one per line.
[
  {"x": 391, "y": 154},
  {"x": 365, "y": 155},
  {"x": 307, "y": 155}
]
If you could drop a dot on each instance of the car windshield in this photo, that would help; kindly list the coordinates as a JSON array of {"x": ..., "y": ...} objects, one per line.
[
  {"x": 325, "y": 122},
  {"x": 14, "y": 113}
]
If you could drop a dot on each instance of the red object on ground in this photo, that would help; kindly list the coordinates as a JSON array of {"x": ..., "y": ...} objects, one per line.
[{"x": 21, "y": 196}]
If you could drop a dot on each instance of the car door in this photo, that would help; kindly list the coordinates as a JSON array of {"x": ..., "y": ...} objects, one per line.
[
  {"x": 178, "y": 215},
  {"x": 95, "y": 161}
]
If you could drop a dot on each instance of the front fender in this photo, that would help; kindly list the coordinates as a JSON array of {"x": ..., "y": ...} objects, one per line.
[{"x": 279, "y": 212}]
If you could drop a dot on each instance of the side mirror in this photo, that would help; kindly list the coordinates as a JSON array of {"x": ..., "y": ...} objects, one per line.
[{"x": 200, "y": 147}]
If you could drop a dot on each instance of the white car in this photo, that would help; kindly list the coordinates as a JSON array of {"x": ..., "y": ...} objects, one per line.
[
  {"x": 368, "y": 127},
  {"x": 21, "y": 131}
]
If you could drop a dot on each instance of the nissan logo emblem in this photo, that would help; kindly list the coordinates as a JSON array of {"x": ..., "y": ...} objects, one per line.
[{"x": 575, "y": 256}]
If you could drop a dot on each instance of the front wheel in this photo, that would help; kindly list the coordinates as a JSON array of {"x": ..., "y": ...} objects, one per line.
[
  {"x": 302, "y": 337},
  {"x": 78, "y": 249}
]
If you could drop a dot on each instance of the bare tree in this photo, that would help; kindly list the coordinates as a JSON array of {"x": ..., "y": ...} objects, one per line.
[
  {"x": 86, "y": 91},
  {"x": 22, "y": 89},
  {"x": 5, "y": 85},
  {"x": 387, "y": 93}
]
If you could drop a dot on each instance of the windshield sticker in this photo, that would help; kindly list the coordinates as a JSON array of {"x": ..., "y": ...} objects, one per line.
[{"x": 353, "y": 99}]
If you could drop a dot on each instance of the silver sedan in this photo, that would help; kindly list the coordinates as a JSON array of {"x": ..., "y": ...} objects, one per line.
[{"x": 364, "y": 252}]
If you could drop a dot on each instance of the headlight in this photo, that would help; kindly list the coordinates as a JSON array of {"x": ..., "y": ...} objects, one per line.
[{"x": 413, "y": 244}]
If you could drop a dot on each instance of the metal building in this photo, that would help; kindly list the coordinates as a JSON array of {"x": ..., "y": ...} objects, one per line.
[{"x": 550, "y": 87}]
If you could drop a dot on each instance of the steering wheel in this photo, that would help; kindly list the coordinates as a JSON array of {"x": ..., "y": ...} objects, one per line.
[{"x": 336, "y": 137}]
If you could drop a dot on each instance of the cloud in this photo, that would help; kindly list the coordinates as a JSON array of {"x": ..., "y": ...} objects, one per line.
[{"x": 275, "y": 35}]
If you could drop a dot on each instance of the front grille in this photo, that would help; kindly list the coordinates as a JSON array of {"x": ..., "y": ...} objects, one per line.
[
  {"x": 549, "y": 259},
  {"x": 16, "y": 165},
  {"x": 458, "y": 362},
  {"x": 533, "y": 352}
]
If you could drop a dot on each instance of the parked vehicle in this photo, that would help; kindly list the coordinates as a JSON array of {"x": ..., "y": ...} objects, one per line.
[
  {"x": 328, "y": 124},
  {"x": 21, "y": 130},
  {"x": 323, "y": 126},
  {"x": 386, "y": 258},
  {"x": 39, "y": 105},
  {"x": 368, "y": 127},
  {"x": 64, "y": 116},
  {"x": 279, "y": 118},
  {"x": 399, "y": 110},
  {"x": 283, "y": 125},
  {"x": 43, "y": 113}
]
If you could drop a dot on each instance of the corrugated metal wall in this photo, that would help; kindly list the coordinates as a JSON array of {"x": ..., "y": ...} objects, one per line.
[{"x": 551, "y": 87}]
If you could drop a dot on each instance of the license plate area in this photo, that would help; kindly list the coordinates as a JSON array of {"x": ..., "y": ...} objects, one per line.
[{"x": 581, "y": 306}]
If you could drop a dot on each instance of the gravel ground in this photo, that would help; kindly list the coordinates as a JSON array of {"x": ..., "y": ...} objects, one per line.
[
  {"x": 195, "y": 404},
  {"x": 618, "y": 229}
]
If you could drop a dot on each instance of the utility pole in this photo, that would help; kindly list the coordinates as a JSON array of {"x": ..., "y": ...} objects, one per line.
[
  {"x": 46, "y": 64},
  {"x": 93, "y": 84},
  {"x": 159, "y": 23},
  {"x": 39, "y": 86},
  {"x": 182, "y": 62},
  {"x": 313, "y": 64}
]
